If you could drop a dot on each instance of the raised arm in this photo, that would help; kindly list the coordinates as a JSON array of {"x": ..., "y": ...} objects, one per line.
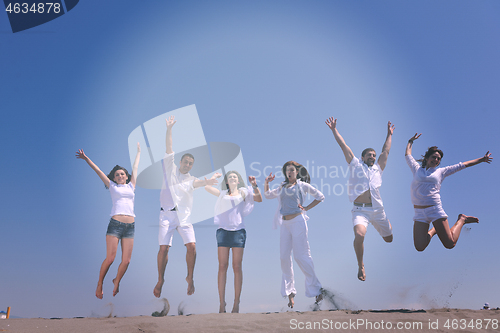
[
  {"x": 213, "y": 190},
  {"x": 133, "y": 179},
  {"x": 410, "y": 143},
  {"x": 257, "y": 196},
  {"x": 80, "y": 154},
  {"x": 168, "y": 140},
  {"x": 382, "y": 159},
  {"x": 486, "y": 158},
  {"x": 332, "y": 124},
  {"x": 268, "y": 179}
]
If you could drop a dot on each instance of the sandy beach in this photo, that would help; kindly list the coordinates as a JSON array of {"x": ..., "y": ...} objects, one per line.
[{"x": 436, "y": 320}]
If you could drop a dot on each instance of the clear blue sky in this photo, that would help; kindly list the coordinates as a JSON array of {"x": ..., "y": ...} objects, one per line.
[{"x": 264, "y": 75}]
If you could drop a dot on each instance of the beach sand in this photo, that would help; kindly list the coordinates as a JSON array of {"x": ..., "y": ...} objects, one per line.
[{"x": 437, "y": 320}]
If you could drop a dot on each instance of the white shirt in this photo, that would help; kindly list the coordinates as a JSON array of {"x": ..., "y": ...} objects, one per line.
[
  {"x": 304, "y": 188},
  {"x": 426, "y": 183},
  {"x": 122, "y": 196},
  {"x": 231, "y": 210},
  {"x": 363, "y": 178},
  {"x": 177, "y": 190}
]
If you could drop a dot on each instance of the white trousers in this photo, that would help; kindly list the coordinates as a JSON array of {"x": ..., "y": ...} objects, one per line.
[{"x": 293, "y": 238}]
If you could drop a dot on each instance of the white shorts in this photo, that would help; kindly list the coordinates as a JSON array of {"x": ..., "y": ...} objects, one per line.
[
  {"x": 377, "y": 217},
  {"x": 169, "y": 222},
  {"x": 429, "y": 214}
]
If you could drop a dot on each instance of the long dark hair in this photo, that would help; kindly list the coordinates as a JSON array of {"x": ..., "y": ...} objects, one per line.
[
  {"x": 241, "y": 183},
  {"x": 430, "y": 151},
  {"x": 111, "y": 175},
  {"x": 302, "y": 173},
  {"x": 225, "y": 186}
]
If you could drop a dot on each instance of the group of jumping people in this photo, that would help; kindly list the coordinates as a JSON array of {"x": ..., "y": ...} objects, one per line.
[{"x": 235, "y": 200}]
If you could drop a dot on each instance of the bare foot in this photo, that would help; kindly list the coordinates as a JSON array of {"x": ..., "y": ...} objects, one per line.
[
  {"x": 361, "y": 273},
  {"x": 236, "y": 308},
  {"x": 157, "y": 290},
  {"x": 291, "y": 302},
  {"x": 116, "y": 289},
  {"x": 98, "y": 291},
  {"x": 468, "y": 219},
  {"x": 190, "y": 282},
  {"x": 222, "y": 308}
]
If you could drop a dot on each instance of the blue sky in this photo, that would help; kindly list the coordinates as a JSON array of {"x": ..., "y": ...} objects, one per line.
[{"x": 264, "y": 75}]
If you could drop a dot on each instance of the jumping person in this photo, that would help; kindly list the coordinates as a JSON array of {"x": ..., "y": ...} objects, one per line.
[
  {"x": 235, "y": 201},
  {"x": 121, "y": 226},
  {"x": 426, "y": 198},
  {"x": 176, "y": 198},
  {"x": 292, "y": 218},
  {"x": 365, "y": 179}
]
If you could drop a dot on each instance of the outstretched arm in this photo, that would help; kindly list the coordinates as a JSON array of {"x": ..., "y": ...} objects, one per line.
[
  {"x": 382, "y": 159},
  {"x": 80, "y": 154},
  {"x": 206, "y": 182},
  {"x": 168, "y": 140},
  {"x": 410, "y": 143},
  {"x": 486, "y": 158},
  {"x": 332, "y": 124},
  {"x": 257, "y": 196},
  {"x": 213, "y": 190},
  {"x": 133, "y": 179}
]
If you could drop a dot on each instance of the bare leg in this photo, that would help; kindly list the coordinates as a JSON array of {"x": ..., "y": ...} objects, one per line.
[
  {"x": 223, "y": 255},
  {"x": 111, "y": 247},
  {"x": 190, "y": 260},
  {"x": 238, "y": 277},
  {"x": 162, "y": 265},
  {"x": 127, "y": 246},
  {"x": 449, "y": 237},
  {"x": 422, "y": 235},
  {"x": 359, "y": 237},
  {"x": 291, "y": 302}
]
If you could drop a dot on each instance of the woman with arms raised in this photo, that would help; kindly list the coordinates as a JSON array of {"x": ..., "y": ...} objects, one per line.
[
  {"x": 121, "y": 186},
  {"x": 426, "y": 199}
]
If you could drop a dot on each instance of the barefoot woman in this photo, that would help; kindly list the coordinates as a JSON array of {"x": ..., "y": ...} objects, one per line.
[
  {"x": 121, "y": 226},
  {"x": 234, "y": 203},
  {"x": 426, "y": 199},
  {"x": 292, "y": 217}
]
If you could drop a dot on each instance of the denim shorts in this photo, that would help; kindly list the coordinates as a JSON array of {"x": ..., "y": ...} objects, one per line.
[
  {"x": 120, "y": 230},
  {"x": 227, "y": 238}
]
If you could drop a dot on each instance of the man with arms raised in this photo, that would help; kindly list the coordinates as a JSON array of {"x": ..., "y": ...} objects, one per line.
[
  {"x": 365, "y": 179},
  {"x": 176, "y": 200}
]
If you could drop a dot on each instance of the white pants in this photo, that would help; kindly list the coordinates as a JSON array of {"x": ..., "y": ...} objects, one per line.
[{"x": 293, "y": 237}]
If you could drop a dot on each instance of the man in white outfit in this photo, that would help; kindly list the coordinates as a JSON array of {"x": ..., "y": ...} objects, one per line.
[
  {"x": 365, "y": 179},
  {"x": 176, "y": 200}
]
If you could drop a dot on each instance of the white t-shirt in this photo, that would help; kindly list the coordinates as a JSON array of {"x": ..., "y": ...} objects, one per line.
[
  {"x": 426, "y": 183},
  {"x": 231, "y": 210},
  {"x": 122, "y": 197}
]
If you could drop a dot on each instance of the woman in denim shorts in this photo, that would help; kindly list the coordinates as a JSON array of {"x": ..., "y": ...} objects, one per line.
[
  {"x": 235, "y": 201},
  {"x": 121, "y": 226}
]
